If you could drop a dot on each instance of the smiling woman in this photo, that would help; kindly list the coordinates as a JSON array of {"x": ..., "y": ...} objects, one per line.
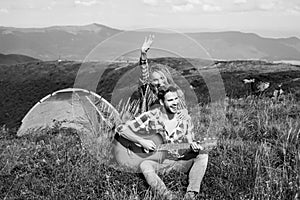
[{"x": 152, "y": 78}]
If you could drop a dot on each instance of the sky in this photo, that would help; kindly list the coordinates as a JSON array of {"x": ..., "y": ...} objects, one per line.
[{"x": 268, "y": 18}]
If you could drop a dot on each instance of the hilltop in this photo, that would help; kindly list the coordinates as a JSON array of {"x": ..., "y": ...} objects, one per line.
[
  {"x": 15, "y": 58},
  {"x": 23, "y": 85}
]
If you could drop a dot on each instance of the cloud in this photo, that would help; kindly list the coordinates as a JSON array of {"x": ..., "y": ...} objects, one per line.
[
  {"x": 85, "y": 3},
  {"x": 151, "y": 2},
  {"x": 183, "y": 2},
  {"x": 183, "y": 5},
  {"x": 281, "y": 6},
  {"x": 278, "y": 6},
  {"x": 211, "y": 8},
  {"x": 26, "y": 5},
  {"x": 267, "y": 5},
  {"x": 239, "y": 1},
  {"x": 188, "y": 5},
  {"x": 294, "y": 11},
  {"x": 182, "y": 8},
  {"x": 3, "y": 10},
  {"x": 194, "y": 1}
]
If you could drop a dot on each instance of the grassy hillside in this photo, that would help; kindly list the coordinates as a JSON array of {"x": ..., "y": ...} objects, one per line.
[
  {"x": 257, "y": 156},
  {"x": 262, "y": 162},
  {"x": 23, "y": 85}
]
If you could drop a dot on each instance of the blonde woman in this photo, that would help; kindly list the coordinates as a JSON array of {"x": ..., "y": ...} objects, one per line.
[{"x": 152, "y": 77}]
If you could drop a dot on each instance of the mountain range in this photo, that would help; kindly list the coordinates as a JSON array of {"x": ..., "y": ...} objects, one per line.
[
  {"x": 11, "y": 59},
  {"x": 79, "y": 42}
]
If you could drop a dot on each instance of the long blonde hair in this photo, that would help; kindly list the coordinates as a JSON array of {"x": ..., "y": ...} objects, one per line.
[{"x": 163, "y": 70}]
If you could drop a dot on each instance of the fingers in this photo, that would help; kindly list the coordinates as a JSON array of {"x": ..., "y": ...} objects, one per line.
[
  {"x": 196, "y": 147},
  {"x": 153, "y": 145},
  {"x": 183, "y": 116},
  {"x": 147, "y": 43},
  {"x": 152, "y": 38},
  {"x": 199, "y": 146},
  {"x": 149, "y": 39},
  {"x": 179, "y": 116}
]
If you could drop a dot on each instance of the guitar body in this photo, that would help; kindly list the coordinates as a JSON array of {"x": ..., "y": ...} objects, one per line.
[{"x": 129, "y": 154}]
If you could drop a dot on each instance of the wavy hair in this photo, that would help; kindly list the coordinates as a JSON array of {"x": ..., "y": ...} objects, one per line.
[{"x": 163, "y": 70}]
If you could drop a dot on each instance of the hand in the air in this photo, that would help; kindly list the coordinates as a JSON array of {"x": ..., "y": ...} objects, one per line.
[
  {"x": 183, "y": 115},
  {"x": 195, "y": 146},
  {"x": 147, "y": 43},
  {"x": 148, "y": 144}
]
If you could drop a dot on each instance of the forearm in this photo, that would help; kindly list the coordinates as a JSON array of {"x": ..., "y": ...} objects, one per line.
[
  {"x": 143, "y": 59},
  {"x": 144, "y": 68},
  {"x": 125, "y": 132},
  {"x": 190, "y": 138}
]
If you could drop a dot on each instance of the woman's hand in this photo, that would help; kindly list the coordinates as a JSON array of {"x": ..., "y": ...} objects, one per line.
[
  {"x": 183, "y": 115},
  {"x": 147, "y": 43}
]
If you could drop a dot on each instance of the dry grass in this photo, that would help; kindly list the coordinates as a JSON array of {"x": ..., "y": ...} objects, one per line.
[{"x": 258, "y": 157}]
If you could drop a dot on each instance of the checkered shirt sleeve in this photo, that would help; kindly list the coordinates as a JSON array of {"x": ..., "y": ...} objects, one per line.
[{"x": 147, "y": 121}]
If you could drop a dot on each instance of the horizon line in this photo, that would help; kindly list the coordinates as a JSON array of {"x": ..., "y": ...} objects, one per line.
[{"x": 182, "y": 30}]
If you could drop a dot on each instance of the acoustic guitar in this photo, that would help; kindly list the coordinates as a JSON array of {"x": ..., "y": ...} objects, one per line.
[{"x": 130, "y": 154}]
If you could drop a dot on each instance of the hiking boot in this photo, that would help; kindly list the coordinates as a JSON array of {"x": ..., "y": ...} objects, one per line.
[{"x": 190, "y": 195}]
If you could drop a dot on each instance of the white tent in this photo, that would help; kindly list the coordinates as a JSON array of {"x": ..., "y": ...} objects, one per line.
[{"x": 76, "y": 108}]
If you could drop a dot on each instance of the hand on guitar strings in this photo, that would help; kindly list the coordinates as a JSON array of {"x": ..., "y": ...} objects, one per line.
[
  {"x": 195, "y": 146},
  {"x": 148, "y": 144}
]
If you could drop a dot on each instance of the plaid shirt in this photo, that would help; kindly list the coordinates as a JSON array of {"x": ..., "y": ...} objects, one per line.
[{"x": 151, "y": 122}]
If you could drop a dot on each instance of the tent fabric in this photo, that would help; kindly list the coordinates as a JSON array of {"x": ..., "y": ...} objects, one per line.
[{"x": 75, "y": 108}]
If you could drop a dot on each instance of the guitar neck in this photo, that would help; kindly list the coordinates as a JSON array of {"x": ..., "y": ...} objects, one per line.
[{"x": 175, "y": 146}]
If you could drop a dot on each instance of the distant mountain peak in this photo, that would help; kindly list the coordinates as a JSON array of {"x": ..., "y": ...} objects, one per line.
[
  {"x": 94, "y": 27},
  {"x": 74, "y": 42},
  {"x": 98, "y": 25},
  {"x": 73, "y": 29}
]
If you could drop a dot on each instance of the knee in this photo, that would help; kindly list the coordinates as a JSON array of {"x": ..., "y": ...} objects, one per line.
[
  {"x": 146, "y": 166},
  {"x": 203, "y": 157}
]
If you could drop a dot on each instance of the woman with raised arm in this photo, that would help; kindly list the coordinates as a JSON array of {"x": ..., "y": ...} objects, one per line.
[{"x": 153, "y": 77}]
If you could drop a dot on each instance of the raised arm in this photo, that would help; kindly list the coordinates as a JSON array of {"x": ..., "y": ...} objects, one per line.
[{"x": 143, "y": 59}]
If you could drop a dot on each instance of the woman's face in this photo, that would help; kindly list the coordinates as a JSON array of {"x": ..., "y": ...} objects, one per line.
[{"x": 158, "y": 79}]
